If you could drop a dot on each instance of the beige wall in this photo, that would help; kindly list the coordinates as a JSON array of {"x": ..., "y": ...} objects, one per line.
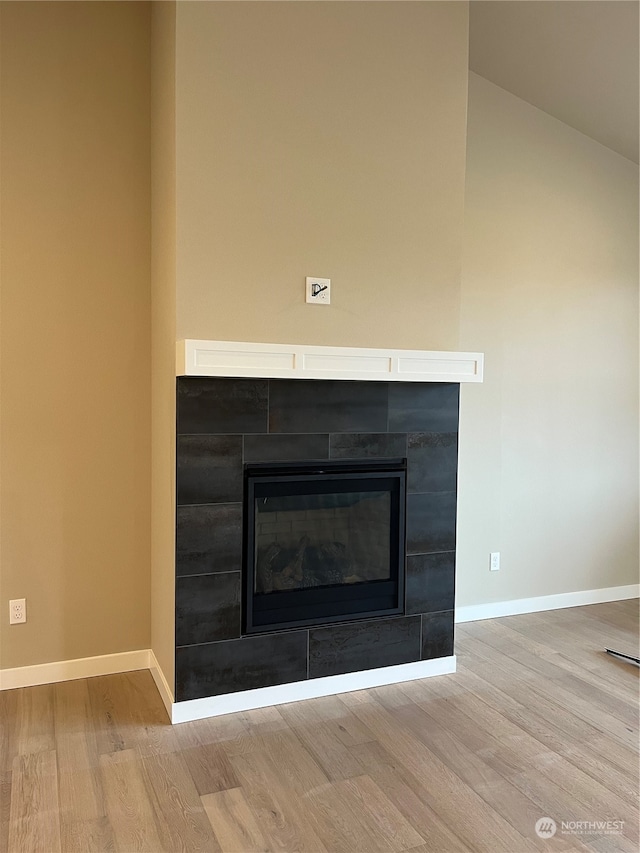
[
  {"x": 75, "y": 329},
  {"x": 549, "y": 443},
  {"x": 300, "y": 138},
  {"x": 321, "y": 139},
  {"x": 163, "y": 316}
]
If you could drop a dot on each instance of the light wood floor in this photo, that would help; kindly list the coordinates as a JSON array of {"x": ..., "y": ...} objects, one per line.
[{"x": 538, "y": 722}]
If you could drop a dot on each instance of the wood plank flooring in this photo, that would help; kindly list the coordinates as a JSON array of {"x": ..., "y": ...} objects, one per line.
[{"x": 537, "y": 722}]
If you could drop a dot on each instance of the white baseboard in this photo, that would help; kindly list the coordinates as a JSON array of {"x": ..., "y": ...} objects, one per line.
[
  {"x": 196, "y": 709},
  {"x": 474, "y": 612},
  {"x": 68, "y": 670},
  {"x": 166, "y": 693},
  {"x": 263, "y": 697}
]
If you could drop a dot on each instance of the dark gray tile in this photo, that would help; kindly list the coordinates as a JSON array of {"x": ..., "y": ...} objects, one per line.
[
  {"x": 432, "y": 462},
  {"x": 208, "y": 539},
  {"x": 423, "y": 406},
  {"x": 285, "y": 448},
  {"x": 209, "y": 469},
  {"x": 363, "y": 645},
  {"x": 207, "y": 608},
  {"x": 368, "y": 445},
  {"x": 437, "y": 635},
  {"x": 431, "y": 522},
  {"x": 244, "y": 664},
  {"x": 319, "y": 405},
  {"x": 430, "y": 582},
  {"x": 221, "y": 405}
]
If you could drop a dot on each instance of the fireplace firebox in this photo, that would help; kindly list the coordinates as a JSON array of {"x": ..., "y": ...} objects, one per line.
[{"x": 323, "y": 542}]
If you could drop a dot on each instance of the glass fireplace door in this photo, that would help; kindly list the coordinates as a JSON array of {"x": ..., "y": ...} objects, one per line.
[{"x": 323, "y": 543}]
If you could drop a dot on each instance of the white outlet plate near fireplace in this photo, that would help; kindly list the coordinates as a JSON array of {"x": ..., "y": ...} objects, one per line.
[{"x": 298, "y": 361}]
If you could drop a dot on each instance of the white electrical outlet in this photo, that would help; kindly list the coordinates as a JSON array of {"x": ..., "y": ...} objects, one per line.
[
  {"x": 318, "y": 290},
  {"x": 17, "y": 611},
  {"x": 494, "y": 561}
]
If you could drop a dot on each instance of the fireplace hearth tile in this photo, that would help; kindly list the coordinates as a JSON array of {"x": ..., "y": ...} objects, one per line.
[
  {"x": 432, "y": 462},
  {"x": 337, "y": 649},
  {"x": 285, "y": 447},
  {"x": 323, "y": 405},
  {"x": 437, "y": 634},
  {"x": 207, "y": 608},
  {"x": 431, "y": 522},
  {"x": 215, "y": 405},
  {"x": 367, "y": 445},
  {"x": 428, "y": 407},
  {"x": 212, "y": 669},
  {"x": 209, "y": 469},
  {"x": 430, "y": 584},
  {"x": 208, "y": 539}
]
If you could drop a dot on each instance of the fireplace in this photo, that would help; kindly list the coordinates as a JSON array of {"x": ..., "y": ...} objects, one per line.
[
  {"x": 323, "y": 542},
  {"x": 339, "y": 421},
  {"x": 230, "y": 427}
]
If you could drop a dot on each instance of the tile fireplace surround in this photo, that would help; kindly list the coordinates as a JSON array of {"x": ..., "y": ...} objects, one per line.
[{"x": 246, "y": 403}]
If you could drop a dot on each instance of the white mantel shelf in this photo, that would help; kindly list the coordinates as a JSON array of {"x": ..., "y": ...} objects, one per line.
[{"x": 297, "y": 361}]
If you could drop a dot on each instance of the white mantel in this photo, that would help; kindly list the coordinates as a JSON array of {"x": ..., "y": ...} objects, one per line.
[{"x": 298, "y": 361}]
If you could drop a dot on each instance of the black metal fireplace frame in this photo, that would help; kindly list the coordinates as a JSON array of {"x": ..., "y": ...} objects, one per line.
[{"x": 385, "y": 597}]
